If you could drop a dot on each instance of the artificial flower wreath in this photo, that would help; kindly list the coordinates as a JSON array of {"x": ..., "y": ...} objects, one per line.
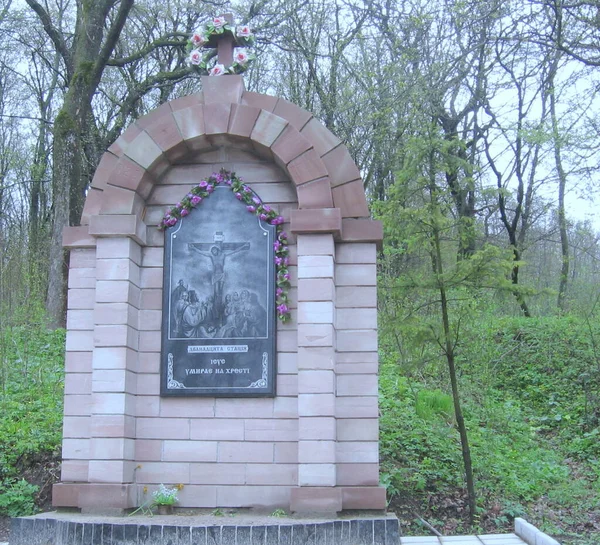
[
  {"x": 206, "y": 63},
  {"x": 255, "y": 206}
]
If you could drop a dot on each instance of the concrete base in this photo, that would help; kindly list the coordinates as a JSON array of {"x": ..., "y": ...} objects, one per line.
[{"x": 78, "y": 529}]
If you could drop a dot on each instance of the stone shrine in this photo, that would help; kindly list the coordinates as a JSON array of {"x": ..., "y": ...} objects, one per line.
[{"x": 312, "y": 443}]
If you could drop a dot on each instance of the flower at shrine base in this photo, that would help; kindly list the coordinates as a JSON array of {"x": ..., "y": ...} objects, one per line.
[
  {"x": 243, "y": 31},
  {"x": 241, "y": 56},
  {"x": 217, "y": 70},
  {"x": 198, "y": 39},
  {"x": 195, "y": 57},
  {"x": 219, "y": 22}
]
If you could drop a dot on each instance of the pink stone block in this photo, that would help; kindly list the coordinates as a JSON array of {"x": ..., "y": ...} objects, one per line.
[
  {"x": 341, "y": 166},
  {"x": 151, "y": 277},
  {"x": 112, "y": 448},
  {"x": 320, "y": 499},
  {"x": 350, "y": 199},
  {"x": 165, "y": 133},
  {"x": 357, "y": 385},
  {"x": 271, "y": 430},
  {"x": 322, "y": 138},
  {"x": 163, "y": 428},
  {"x": 246, "y": 452},
  {"x": 198, "y": 496},
  {"x": 242, "y": 120},
  {"x": 128, "y": 174},
  {"x": 161, "y": 472},
  {"x": 118, "y": 269},
  {"x": 316, "y": 358},
  {"x": 258, "y": 100},
  {"x": 356, "y": 368},
  {"x": 316, "y": 452},
  {"x": 121, "y": 201},
  {"x": 80, "y": 319},
  {"x": 147, "y": 406},
  {"x": 316, "y": 194},
  {"x": 149, "y": 362},
  {"x": 82, "y": 258},
  {"x": 272, "y": 474},
  {"x": 289, "y": 145},
  {"x": 144, "y": 151},
  {"x": 309, "y": 245},
  {"x": 118, "y": 248},
  {"x": 306, "y": 168},
  {"x": 316, "y": 382},
  {"x": 353, "y": 253},
  {"x": 320, "y": 266},
  {"x": 78, "y": 383},
  {"x": 287, "y": 341},
  {"x": 189, "y": 451},
  {"x": 77, "y": 405},
  {"x": 320, "y": 428},
  {"x": 74, "y": 470},
  {"x": 148, "y": 384},
  {"x": 115, "y": 314},
  {"x": 286, "y": 453},
  {"x": 152, "y": 257},
  {"x": 229, "y": 474},
  {"x": 118, "y": 225},
  {"x": 221, "y": 429},
  {"x": 114, "y": 380},
  {"x": 356, "y": 297},
  {"x": 316, "y": 405},
  {"x": 116, "y": 335},
  {"x": 77, "y": 237},
  {"x": 80, "y": 341},
  {"x": 227, "y": 90},
  {"x": 151, "y": 299},
  {"x": 356, "y": 275},
  {"x": 115, "y": 358},
  {"x": 287, "y": 363},
  {"x": 296, "y": 116},
  {"x": 358, "y": 474},
  {"x": 191, "y": 125},
  {"x": 371, "y": 498},
  {"x": 316, "y": 289},
  {"x": 356, "y": 318},
  {"x": 113, "y": 425},
  {"x": 357, "y": 452},
  {"x": 117, "y": 291},
  {"x": 76, "y": 449},
  {"x": 287, "y": 385},
  {"x": 285, "y": 407},
  {"x": 358, "y": 340},
  {"x": 171, "y": 407},
  {"x": 358, "y": 429},
  {"x": 313, "y": 335},
  {"x": 243, "y": 408},
  {"x": 80, "y": 299},
  {"x": 150, "y": 320},
  {"x": 186, "y": 101},
  {"x": 113, "y": 403},
  {"x": 104, "y": 170},
  {"x": 315, "y": 312},
  {"x": 76, "y": 427},
  {"x": 147, "y": 450},
  {"x": 216, "y": 118},
  {"x": 82, "y": 278},
  {"x": 259, "y": 497},
  {"x": 149, "y": 341},
  {"x": 78, "y": 362},
  {"x": 356, "y": 407},
  {"x": 316, "y": 475},
  {"x": 110, "y": 471}
]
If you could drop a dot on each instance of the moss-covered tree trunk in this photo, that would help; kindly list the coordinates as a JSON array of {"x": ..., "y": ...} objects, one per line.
[{"x": 84, "y": 57}]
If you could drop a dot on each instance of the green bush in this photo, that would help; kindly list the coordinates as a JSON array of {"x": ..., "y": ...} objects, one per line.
[{"x": 17, "y": 498}]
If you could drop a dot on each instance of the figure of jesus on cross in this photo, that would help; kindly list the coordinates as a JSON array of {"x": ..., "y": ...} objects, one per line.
[{"x": 217, "y": 252}]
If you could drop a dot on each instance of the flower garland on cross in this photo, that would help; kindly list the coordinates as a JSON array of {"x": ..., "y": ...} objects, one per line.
[
  {"x": 254, "y": 205},
  {"x": 220, "y": 37}
]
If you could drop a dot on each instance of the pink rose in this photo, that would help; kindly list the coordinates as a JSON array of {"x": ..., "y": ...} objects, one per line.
[
  {"x": 195, "y": 57},
  {"x": 219, "y": 22},
  {"x": 195, "y": 200},
  {"x": 256, "y": 200},
  {"x": 243, "y": 31},
  {"x": 217, "y": 70},
  {"x": 198, "y": 39},
  {"x": 210, "y": 188},
  {"x": 203, "y": 184},
  {"x": 240, "y": 56},
  {"x": 184, "y": 212},
  {"x": 251, "y": 208},
  {"x": 263, "y": 217},
  {"x": 238, "y": 196}
]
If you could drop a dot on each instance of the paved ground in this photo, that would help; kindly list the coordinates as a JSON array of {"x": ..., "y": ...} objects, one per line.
[{"x": 489, "y": 539}]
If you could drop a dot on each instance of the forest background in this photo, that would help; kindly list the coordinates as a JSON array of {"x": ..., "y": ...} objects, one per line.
[{"x": 475, "y": 124}]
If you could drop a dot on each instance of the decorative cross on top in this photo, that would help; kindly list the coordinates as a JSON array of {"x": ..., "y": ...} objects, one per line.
[{"x": 225, "y": 42}]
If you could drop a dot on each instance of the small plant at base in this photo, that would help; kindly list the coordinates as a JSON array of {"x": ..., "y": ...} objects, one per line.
[
  {"x": 279, "y": 513},
  {"x": 218, "y": 512},
  {"x": 165, "y": 496}
]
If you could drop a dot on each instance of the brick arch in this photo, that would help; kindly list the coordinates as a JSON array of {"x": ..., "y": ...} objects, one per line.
[{"x": 317, "y": 163}]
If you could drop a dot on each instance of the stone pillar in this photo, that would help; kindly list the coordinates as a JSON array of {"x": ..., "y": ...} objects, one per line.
[{"x": 317, "y": 476}]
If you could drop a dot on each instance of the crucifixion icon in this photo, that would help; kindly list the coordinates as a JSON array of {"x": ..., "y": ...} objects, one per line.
[{"x": 217, "y": 252}]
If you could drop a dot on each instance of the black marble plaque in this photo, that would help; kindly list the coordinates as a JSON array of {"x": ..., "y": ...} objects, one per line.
[{"x": 218, "y": 326}]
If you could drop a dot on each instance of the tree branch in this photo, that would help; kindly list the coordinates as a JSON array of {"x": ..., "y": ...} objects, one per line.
[{"x": 160, "y": 42}]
